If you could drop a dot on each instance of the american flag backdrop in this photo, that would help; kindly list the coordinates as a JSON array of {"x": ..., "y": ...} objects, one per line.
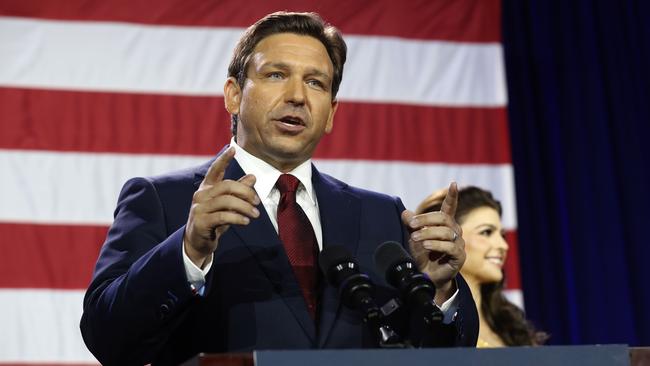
[{"x": 95, "y": 92}]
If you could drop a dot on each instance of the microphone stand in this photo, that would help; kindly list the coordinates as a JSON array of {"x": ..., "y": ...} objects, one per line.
[{"x": 359, "y": 289}]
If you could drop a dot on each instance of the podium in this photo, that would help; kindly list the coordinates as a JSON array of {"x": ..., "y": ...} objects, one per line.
[{"x": 597, "y": 355}]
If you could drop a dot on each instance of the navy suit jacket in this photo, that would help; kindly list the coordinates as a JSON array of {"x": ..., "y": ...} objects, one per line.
[{"x": 139, "y": 307}]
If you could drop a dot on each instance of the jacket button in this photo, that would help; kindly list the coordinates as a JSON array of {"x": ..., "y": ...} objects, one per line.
[{"x": 163, "y": 311}]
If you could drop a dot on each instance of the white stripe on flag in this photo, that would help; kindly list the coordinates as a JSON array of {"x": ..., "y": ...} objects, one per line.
[
  {"x": 73, "y": 188},
  {"x": 42, "y": 326},
  {"x": 104, "y": 56},
  {"x": 49, "y": 319},
  {"x": 82, "y": 188},
  {"x": 515, "y": 296},
  {"x": 412, "y": 182}
]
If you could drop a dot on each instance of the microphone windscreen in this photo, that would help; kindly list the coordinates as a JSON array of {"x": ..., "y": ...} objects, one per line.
[
  {"x": 332, "y": 255},
  {"x": 388, "y": 255}
]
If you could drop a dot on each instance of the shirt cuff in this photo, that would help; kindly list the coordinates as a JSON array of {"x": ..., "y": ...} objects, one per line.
[
  {"x": 449, "y": 308},
  {"x": 195, "y": 275}
]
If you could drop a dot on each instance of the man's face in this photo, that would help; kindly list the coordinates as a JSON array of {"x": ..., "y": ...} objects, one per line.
[{"x": 285, "y": 105}]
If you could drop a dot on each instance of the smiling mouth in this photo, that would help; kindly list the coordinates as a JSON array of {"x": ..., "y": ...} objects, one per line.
[{"x": 495, "y": 260}]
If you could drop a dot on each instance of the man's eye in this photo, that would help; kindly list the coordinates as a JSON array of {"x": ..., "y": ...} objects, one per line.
[
  {"x": 316, "y": 83},
  {"x": 274, "y": 75}
]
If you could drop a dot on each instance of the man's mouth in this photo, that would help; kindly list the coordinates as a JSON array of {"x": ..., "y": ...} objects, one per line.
[
  {"x": 290, "y": 124},
  {"x": 292, "y": 120}
]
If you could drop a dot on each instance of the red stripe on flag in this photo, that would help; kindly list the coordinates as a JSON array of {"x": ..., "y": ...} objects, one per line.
[
  {"x": 511, "y": 267},
  {"x": 452, "y": 20},
  {"x": 63, "y": 256},
  {"x": 191, "y": 125},
  {"x": 419, "y": 134},
  {"x": 48, "y": 256}
]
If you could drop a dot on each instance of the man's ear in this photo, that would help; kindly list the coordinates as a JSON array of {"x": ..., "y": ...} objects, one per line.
[
  {"x": 232, "y": 95},
  {"x": 330, "y": 119}
]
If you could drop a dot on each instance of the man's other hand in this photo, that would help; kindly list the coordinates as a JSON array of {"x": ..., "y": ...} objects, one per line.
[{"x": 217, "y": 204}]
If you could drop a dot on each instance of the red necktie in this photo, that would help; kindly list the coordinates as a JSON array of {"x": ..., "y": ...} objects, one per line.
[{"x": 297, "y": 236}]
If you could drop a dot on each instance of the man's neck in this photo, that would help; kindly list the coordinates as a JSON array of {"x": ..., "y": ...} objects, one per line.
[{"x": 283, "y": 166}]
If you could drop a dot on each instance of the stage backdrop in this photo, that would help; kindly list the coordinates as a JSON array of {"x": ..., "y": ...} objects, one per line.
[
  {"x": 95, "y": 92},
  {"x": 580, "y": 93}
]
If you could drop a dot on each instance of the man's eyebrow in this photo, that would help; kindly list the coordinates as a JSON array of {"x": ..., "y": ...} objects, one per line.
[
  {"x": 275, "y": 65},
  {"x": 319, "y": 73},
  {"x": 284, "y": 66}
]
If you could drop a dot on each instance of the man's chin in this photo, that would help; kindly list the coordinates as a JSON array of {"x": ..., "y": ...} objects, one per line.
[{"x": 290, "y": 155}]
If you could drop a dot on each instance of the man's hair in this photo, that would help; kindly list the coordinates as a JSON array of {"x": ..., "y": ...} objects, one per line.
[{"x": 308, "y": 24}]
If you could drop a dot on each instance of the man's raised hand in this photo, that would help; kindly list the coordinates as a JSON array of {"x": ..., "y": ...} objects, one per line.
[
  {"x": 216, "y": 205},
  {"x": 436, "y": 243}
]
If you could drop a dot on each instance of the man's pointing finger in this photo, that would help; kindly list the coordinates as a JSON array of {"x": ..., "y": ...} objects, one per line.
[{"x": 216, "y": 171}]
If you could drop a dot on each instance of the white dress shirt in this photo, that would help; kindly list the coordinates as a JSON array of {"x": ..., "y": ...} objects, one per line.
[{"x": 266, "y": 177}]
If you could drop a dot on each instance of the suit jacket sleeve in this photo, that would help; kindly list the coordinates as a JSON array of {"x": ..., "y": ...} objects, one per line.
[
  {"x": 465, "y": 326},
  {"x": 139, "y": 287}
]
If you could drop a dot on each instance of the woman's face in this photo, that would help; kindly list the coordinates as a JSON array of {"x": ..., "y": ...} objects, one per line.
[{"x": 485, "y": 246}]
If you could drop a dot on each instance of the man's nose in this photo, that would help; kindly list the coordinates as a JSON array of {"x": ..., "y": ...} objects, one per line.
[{"x": 295, "y": 91}]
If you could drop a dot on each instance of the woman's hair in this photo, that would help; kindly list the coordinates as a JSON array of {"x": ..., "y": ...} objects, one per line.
[{"x": 505, "y": 319}]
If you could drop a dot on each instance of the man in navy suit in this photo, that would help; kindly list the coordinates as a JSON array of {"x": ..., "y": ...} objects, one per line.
[{"x": 193, "y": 261}]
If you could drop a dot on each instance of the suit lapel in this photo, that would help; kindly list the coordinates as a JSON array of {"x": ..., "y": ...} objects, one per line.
[
  {"x": 339, "y": 215},
  {"x": 261, "y": 239}
]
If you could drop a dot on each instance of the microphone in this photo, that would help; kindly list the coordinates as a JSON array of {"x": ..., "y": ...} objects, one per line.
[
  {"x": 415, "y": 287},
  {"x": 356, "y": 291}
]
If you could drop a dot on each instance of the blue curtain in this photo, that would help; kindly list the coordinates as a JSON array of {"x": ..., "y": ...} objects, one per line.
[{"x": 579, "y": 108}]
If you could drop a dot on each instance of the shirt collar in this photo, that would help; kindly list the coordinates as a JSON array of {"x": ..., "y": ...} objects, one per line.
[{"x": 266, "y": 175}]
